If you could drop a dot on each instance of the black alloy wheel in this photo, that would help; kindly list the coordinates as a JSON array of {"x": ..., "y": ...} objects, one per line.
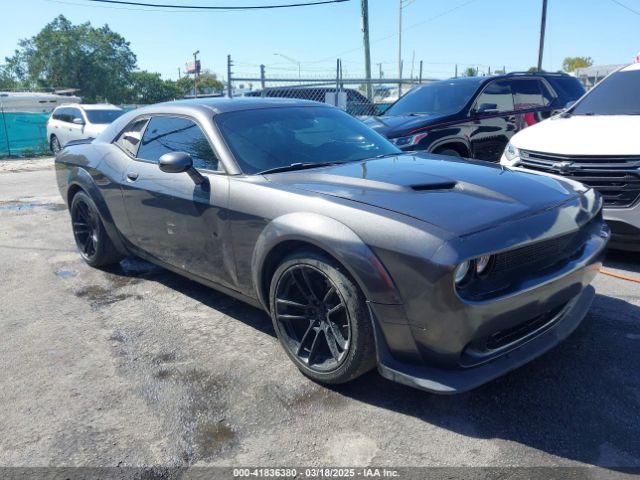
[
  {"x": 95, "y": 246},
  {"x": 321, "y": 319}
]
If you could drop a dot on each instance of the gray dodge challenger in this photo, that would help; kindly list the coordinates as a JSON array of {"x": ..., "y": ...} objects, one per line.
[{"x": 444, "y": 273}]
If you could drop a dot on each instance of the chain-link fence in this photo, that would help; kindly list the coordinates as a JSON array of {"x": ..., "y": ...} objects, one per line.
[{"x": 352, "y": 93}]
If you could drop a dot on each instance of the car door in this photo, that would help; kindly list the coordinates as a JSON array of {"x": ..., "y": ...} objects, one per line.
[
  {"x": 171, "y": 218},
  {"x": 73, "y": 131},
  {"x": 493, "y": 121}
]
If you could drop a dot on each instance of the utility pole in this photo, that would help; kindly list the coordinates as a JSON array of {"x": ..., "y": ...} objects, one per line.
[
  {"x": 229, "y": 86},
  {"x": 367, "y": 52},
  {"x": 400, "y": 48},
  {"x": 420, "y": 71},
  {"x": 196, "y": 71},
  {"x": 380, "y": 72},
  {"x": 543, "y": 25}
]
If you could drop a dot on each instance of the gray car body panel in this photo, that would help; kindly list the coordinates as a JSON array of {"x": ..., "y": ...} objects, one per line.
[{"x": 399, "y": 225}]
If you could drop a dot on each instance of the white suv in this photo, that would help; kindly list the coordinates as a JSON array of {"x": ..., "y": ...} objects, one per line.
[
  {"x": 77, "y": 121},
  {"x": 597, "y": 142}
]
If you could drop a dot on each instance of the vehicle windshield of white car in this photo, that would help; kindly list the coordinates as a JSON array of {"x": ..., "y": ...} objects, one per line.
[
  {"x": 103, "y": 116},
  {"x": 616, "y": 95}
]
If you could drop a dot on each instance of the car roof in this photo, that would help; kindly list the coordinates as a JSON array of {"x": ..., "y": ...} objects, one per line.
[
  {"x": 219, "y": 105},
  {"x": 89, "y": 106}
]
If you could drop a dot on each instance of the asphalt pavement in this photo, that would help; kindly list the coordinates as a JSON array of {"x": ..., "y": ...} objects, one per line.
[{"x": 138, "y": 366}]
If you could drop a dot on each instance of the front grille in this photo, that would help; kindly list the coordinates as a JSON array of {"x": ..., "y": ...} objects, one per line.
[
  {"x": 617, "y": 178},
  {"x": 541, "y": 254}
]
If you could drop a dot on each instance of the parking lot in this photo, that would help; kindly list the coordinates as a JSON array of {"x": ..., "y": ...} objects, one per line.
[{"x": 138, "y": 366}]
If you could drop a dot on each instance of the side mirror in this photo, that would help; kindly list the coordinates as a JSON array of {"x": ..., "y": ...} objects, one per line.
[
  {"x": 78, "y": 121},
  {"x": 488, "y": 108},
  {"x": 181, "y": 162}
]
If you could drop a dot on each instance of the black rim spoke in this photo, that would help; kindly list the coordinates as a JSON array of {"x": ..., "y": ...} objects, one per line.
[
  {"x": 337, "y": 335},
  {"x": 332, "y": 344},
  {"x": 312, "y": 318},
  {"x": 314, "y": 348},
  {"x": 290, "y": 303},
  {"x": 85, "y": 228}
]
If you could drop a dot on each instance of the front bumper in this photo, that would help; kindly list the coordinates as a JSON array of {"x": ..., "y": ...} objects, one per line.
[
  {"x": 625, "y": 227},
  {"x": 450, "y": 353},
  {"x": 449, "y": 381}
]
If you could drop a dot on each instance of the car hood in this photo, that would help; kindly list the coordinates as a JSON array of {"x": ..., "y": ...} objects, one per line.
[
  {"x": 398, "y": 125},
  {"x": 458, "y": 196},
  {"x": 583, "y": 135}
]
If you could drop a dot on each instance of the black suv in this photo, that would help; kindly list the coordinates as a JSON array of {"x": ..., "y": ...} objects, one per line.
[{"x": 474, "y": 117}]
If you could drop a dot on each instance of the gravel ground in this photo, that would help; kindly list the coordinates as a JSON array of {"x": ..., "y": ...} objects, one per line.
[{"x": 138, "y": 366}]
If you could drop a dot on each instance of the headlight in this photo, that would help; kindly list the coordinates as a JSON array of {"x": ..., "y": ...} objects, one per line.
[
  {"x": 482, "y": 264},
  {"x": 409, "y": 140},
  {"x": 461, "y": 272},
  {"x": 511, "y": 153}
]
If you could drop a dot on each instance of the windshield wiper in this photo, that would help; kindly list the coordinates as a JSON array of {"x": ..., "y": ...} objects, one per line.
[{"x": 297, "y": 166}]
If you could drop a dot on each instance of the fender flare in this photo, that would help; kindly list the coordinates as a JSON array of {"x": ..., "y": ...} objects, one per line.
[
  {"x": 337, "y": 240},
  {"x": 80, "y": 178}
]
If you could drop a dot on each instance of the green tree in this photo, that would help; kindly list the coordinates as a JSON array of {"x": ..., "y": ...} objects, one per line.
[
  {"x": 147, "y": 87},
  {"x": 7, "y": 82},
  {"x": 208, "y": 84},
  {"x": 570, "y": 64},
  {"x": 97, "y": 61},
  {"x": 470, "y": 72}
]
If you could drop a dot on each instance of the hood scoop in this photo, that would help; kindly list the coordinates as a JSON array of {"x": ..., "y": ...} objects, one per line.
[{"x": 427, "y": 187}]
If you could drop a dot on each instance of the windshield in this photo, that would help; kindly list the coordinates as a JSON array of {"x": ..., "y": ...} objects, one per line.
[
  {"x": 618, "y": 94},
  {"x": 103, "y": 116},
  {"x": 268, "y": 138},
  {"x": 444, "y": 97}
]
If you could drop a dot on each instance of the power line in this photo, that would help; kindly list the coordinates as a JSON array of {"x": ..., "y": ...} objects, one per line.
[
  {"x": 211, "y": 7},
  {"x": 626, "y": 7}
]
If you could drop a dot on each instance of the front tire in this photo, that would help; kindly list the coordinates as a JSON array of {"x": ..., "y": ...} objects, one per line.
[
  {"x": 320, "y": 317},
  {"x": 92, "y": 240}
]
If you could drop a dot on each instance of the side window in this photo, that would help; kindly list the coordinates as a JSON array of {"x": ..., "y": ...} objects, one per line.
[
  {"x": 527, "y": 94},
  {"x": 496, "y": 96},
  {"x": 62, "y": 114},
  {"x": 129, "y": 139},
  {"x": 73, "y": 113},
  {"x": 56, "y": 114},
  {"x": 173, "y": 134},
  {"x": 547, "y": 93}
]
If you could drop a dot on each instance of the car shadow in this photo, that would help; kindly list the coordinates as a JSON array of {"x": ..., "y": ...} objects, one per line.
[
  {"x": 623, "y": 261},
  {"x": 580, "y": 401}
]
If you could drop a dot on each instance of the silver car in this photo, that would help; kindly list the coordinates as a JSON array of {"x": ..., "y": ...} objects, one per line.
[{"x": 77, "y": 122}]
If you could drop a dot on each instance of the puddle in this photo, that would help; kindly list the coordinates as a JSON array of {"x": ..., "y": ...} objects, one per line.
[
  {"x": 100, "y": 296},
  {"x": 66, "y": 273},
  {"x": 211, "y": 438},
  {"x": 26, "y": 206}
]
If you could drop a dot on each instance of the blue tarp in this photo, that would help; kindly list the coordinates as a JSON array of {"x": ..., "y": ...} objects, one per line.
[{"x": 23, "y": 133}]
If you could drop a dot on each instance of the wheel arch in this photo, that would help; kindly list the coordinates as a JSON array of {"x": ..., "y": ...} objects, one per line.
[
  {"x": 81, "y": 181},
  {"x": 458, "y": 145},
  {"x": 328, "y": 236}
]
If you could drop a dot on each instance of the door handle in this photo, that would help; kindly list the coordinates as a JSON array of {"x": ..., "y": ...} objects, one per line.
[{"x": 133, "y": 176}]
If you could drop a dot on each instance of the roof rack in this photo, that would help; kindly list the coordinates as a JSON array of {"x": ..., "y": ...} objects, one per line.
[{"x": 515, "y": 74}]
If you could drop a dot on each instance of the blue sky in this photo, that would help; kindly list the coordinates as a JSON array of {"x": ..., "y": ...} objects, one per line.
[{"x": 440, "y": 32}]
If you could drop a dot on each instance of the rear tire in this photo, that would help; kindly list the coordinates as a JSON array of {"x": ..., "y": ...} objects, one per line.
[
  {"x": 54, "y": 144},
  {"x": 321, "y": 319},
  {"x": 92, "y": 240}
]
